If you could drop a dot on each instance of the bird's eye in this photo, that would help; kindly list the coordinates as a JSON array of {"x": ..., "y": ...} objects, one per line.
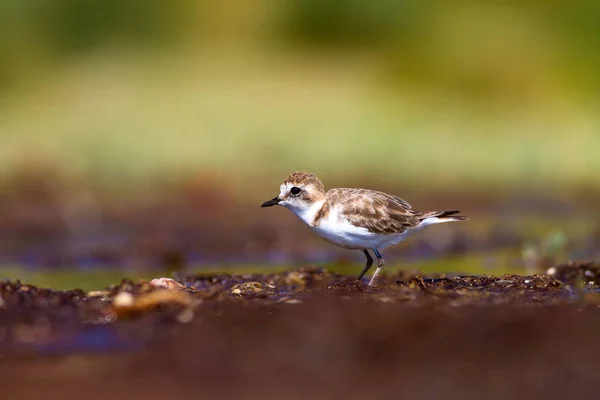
[{"x": 295, "y": 191}]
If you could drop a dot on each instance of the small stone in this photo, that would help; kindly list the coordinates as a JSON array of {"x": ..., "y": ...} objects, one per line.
[
  {"x": 108, "y": 318},
  {"x": 186, "y": 316},
  {"x": 295, "y": 278},
  {"x": 250, "y": 288},
  {"x": 125, "y": 303},
  {"x": 123, "y": 299},
  {"x": 166, "y": 283},
  {"x": 98, "y": 293},
  {"x": 289, "y": 300}
]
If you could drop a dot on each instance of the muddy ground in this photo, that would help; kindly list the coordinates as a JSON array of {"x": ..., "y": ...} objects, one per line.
[{"x": 307, "y": 332}]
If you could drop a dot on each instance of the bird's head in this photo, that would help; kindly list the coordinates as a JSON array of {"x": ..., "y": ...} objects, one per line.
[{"x": 298, "y": 192}]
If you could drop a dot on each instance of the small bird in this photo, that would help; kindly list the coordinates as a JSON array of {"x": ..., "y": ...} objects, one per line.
[{"x": 359, "y": 219}]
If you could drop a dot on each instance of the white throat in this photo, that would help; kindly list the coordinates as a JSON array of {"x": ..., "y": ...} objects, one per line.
[{"x": 308, "y": 214}]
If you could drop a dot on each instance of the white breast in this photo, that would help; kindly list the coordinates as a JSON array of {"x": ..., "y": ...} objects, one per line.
[{"x": 337, "y": 230}]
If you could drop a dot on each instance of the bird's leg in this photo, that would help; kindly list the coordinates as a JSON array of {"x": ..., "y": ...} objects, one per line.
[
  {"x": 380, "y": 263},
  {"x": 367, "y": 266}
]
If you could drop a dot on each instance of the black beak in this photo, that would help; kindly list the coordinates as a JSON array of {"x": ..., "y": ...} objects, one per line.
[{"x": 271, "y": 202}]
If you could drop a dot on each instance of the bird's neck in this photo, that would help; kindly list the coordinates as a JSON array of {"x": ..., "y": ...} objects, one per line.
[{"x": 308, "y": 215}]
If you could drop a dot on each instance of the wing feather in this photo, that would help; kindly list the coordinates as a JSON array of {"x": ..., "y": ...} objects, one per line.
[{"x": 376, "y": 211}]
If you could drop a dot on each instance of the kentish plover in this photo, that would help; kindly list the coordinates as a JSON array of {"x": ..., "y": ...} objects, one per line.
[{"x": 359, "y": 219}]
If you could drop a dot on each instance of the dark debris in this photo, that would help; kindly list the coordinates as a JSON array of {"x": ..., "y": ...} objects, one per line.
[
  {"x": 576, "y": 272},
  {"x": 304, "y": 333}
]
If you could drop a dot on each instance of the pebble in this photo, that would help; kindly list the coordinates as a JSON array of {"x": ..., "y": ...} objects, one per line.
[{"x": 166, "y": 283}]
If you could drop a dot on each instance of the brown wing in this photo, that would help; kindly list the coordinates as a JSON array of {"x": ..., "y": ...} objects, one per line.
[{"x": 376, "y": 211}]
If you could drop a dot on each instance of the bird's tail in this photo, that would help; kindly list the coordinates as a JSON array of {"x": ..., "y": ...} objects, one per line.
[{"x": 442, "y": 216}]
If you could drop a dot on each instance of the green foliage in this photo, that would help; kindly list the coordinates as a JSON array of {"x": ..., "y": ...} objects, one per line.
[
  {"x": 415, "y": 39},
  {"x": 76, "y": 25},
  {"x": 37, "y": 33},
  {"x": 479, "y": 93},
  {"x": 352, "y": 23}
]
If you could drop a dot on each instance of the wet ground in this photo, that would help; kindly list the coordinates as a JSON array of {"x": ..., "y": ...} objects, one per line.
[
  {"x": 49, "y": 221},
  {"x": 307, "y": 332}
]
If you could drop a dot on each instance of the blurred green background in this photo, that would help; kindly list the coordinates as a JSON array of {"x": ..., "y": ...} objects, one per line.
[
  {"x": 464, "y": 98},
  {"x": 473, "y": 92}
]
